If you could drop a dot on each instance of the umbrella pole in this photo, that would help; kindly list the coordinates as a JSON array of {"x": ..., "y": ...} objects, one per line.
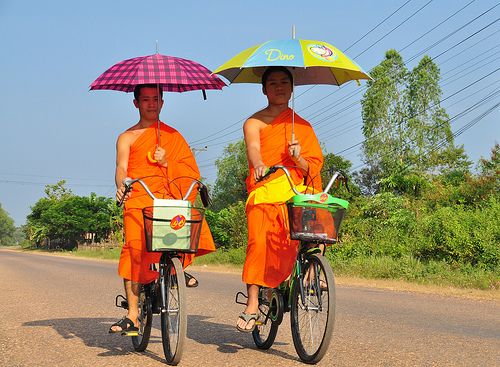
[
  {"x": 158, "y": 109},
  {"x": 293, "y": 97},
  {"x": 293, "y": 112},
  {"x": 158, "y": 106}
]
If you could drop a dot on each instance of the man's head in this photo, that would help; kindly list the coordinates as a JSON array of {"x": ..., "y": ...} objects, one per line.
[
  {"x": 148, "y": 101},
  {"x": 137, "y": 90},
  {"x": 277, "y": 85},
  {"x": 275, "y": 69}
]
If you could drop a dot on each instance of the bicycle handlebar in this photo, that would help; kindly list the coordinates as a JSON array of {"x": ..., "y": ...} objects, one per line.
[
  {"x": 337, "y": 175},
  {"x": 202, "y": 189}
]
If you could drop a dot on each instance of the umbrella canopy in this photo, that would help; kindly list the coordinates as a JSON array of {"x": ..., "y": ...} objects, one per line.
[
  {"x": 173, "y": 74},
  {"x": 311, "y": 62}
]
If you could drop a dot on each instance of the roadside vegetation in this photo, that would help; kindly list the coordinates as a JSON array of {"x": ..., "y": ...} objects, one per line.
[{"x": 420, "y": 210}]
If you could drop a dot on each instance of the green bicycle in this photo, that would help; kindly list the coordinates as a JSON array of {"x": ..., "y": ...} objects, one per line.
[{"x": 309, "y": 293}]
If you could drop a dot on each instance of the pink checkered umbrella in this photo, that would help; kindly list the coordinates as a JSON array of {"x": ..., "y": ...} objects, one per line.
[{"x": 173, "y": 74}]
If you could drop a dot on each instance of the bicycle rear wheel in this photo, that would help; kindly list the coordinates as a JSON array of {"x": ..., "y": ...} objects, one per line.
[
  {"x": 145, "y": 319},
  {"x": 313, "y": 309},
  {"x": 173, "y": 315},
  {"x": 271, "y": 315}
]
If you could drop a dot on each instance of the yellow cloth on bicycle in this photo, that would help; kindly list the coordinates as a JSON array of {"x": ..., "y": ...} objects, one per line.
[
  {"x": 169, "y": 183},
  {"x": 270, "y": 252},
  {"x": 274, "y": 191}
]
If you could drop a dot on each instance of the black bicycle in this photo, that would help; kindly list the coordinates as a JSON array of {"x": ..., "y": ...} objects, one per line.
[
  {"x": 309, "y": 292},
  {"x": 171, "y": 227}
]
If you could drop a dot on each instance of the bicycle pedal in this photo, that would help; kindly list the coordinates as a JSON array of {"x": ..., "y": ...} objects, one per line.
[
  {"x": 314, "y": 250},
  {"x": 130, "y": 333},
  {"x": 123, "y": 303},
  {"x": 237, "y": 300}
]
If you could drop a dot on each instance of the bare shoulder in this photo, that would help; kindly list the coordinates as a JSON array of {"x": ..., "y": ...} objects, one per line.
[
  {"x": 130, "y": 135},
  {"x": 256, "y": 121}
]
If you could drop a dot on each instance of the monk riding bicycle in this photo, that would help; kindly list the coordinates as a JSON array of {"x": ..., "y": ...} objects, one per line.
[
  {"x": 172, "y": 228},
  {"x": 309, "y": 292}
]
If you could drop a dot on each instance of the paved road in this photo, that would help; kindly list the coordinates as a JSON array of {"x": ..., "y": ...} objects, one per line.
[{"x": 56, "y": 311}]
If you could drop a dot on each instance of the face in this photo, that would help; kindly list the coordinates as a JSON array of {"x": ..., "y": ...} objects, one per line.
[
  {"x": 278, "y": 88},
  {"x": 148, "y": 104}
]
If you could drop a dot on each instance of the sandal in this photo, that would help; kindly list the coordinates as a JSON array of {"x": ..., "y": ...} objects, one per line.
[
  {"x": 247, "y": 317},
  {"x": 127, "y": 327},
  {"x": 188, "y": 280}
]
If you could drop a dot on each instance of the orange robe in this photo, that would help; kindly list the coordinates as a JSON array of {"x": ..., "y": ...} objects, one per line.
[
  {"x": 270, "y": 252},
  {"x": 134, "y": 259}
]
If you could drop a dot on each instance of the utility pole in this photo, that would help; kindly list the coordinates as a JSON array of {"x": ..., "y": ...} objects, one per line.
[{"x": 198, "y": 150}]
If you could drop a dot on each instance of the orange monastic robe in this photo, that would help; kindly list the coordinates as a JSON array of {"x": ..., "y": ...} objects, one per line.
[
  {"x": 135, "y": 260},
  {"x": 270, "y": 252}
]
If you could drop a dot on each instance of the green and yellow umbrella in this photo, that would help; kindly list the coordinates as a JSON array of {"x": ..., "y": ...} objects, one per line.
[{"x": 311, "y": 62}]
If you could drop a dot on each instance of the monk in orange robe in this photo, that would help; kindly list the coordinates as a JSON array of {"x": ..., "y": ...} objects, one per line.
[
  {"x": 168, "y": 173},
  {"x": 268, "y": 137}
]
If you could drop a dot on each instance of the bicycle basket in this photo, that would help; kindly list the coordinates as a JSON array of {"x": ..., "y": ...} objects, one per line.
[
  {"x": 172, "y": 225},
  {"x": 316, "y": 218}
]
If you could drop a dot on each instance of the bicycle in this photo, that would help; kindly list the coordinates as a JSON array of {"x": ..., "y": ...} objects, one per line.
[
  {"x": 309, "y": 293},
  {"x": 171, "y": 227}
]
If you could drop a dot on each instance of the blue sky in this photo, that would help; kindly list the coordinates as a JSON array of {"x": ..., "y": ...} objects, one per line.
[{"x": 53, "y": 128}]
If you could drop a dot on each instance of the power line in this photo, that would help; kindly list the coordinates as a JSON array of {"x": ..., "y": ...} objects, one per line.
[
  {"x": 45, "y": 183},
  {"x": 452, "y": 33},
  {"x": 392, "y": 30},
  {"x": 378, "y": 25},
  {"x": 436, "y": 26},
  {"x": 472, "y": 35}
]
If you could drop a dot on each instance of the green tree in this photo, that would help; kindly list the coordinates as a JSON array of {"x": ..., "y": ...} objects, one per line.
[
  {"x": 57, "y": 191},
  {"x": 383, "y": 113},
  {"x": 63, "y": 219},
  {"x": 407, "y": 132},
  {"x": 489, "y": 169},
  {"x": 7, "y": 228},
  {"x": 232, "y": 170},
  {"x": 429, "y": 138}
]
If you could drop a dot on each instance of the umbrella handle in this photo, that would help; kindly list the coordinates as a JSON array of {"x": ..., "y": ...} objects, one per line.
[
  {"x": 151, "y": 159},
  {"x": 294, "y": 151}
]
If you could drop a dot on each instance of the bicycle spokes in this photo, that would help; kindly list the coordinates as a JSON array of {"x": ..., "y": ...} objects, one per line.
[
  {"x": 172, "y": 308},
  {"x": 314, "y": 285},
  {"x": 313, "y": 309}
]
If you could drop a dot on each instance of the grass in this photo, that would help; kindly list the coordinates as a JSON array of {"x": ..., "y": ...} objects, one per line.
[
  {"x": 98, "y": 253},
  {"x": 413, "y": 270},
  {"x": 406, "y": 269}
]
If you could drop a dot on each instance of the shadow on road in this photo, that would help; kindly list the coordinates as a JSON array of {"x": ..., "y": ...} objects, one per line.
[
  {"x": 227, "y": 339},
  {"x": 94, "y": 333}
]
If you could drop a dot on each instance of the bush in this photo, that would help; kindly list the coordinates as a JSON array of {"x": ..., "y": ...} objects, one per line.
[
  {"x": 228, "y": 226},
  {"x": 464, "y": 235}
]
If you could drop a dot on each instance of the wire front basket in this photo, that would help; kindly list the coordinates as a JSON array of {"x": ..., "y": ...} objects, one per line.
[
  {"x": 314, "y": 222},
  {"x": 172, "y": 228}
]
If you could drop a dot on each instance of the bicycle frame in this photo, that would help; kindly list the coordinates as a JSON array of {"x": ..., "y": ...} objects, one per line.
[{"x": 296, "y": 275}]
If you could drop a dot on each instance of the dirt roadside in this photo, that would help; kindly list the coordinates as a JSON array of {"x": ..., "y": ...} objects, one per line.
[{"x": 343, "y": 281}]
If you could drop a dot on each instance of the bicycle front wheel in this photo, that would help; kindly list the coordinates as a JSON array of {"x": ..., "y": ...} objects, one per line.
[
  {"x": 145, "y": 319},
  {"x": 313, "y": 309},
  {"x": 173, "y": 313}
]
